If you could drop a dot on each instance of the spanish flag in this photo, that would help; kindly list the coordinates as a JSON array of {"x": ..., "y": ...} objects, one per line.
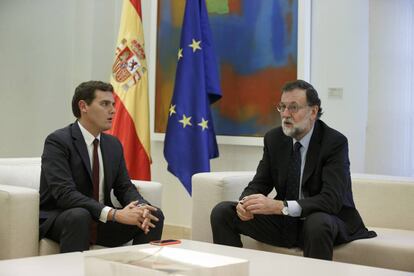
[{"x": 130, "y": 81}]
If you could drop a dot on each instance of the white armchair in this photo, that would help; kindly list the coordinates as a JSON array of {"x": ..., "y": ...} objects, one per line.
[
  {"x": 19, "y": 208},
  {"x": 384, "y": 202}
]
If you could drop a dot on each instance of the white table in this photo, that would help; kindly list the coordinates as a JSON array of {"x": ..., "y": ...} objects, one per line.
[
  {"x": 261, "y": 263},
  {"x": 69, "y": 264}
]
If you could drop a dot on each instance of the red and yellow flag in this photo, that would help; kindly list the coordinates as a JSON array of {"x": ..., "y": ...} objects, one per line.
[{"x": 130, "y": 81}]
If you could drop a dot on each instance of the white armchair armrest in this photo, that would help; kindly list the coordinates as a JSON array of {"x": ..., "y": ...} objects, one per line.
[
  {"x": 19, "y": 228},
  {"x": 210, "y": 189},
  {"x": 150, "y": 190}
]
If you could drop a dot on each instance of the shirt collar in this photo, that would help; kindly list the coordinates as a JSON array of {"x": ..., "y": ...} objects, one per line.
[
  {"x": 89, "y": 138},
  {"x": 306, "y": 139}
]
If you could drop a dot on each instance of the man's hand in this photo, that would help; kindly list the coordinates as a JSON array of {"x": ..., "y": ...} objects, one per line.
[
  {"x": 134, "y": 214},
  {"x": 263, "y": 205},
  {"x": 243, "y": 214},
  {"x": 147, "y": 217}
]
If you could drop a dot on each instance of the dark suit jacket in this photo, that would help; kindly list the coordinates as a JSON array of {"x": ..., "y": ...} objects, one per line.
[
  {"x": 66, "y": 178},
  {"x": 326, "y": 181}
]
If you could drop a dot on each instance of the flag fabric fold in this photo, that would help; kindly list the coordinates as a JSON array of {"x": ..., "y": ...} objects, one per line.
[
  {"x": 190, "y": 141},
  {"x": 130, "y": 81}
]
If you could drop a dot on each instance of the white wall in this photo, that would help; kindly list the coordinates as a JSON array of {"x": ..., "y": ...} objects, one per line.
[
  {"x": 339, "y": 59},
  {"x": 35, "y": 60},
  {"x": 47, "y": 47},
  {"x": 391, "y": 87}
]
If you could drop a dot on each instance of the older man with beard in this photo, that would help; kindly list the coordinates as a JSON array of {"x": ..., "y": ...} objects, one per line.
[{"x": 307, "y": 163}]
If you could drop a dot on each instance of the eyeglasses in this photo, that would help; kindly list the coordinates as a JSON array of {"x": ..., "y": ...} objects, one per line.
[{"x": 293, "y": 107}]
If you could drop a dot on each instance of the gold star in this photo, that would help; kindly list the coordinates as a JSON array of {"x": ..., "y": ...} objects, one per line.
[
  {"x": 185, "y": 121},
  {"x": 172, "y": 110},
  {"x": 203, "y": 124},
  {"x": 195, "y": 45},
  {"x": 180, "y": 53}
]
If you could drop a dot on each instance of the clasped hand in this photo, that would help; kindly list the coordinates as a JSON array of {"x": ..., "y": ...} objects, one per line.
[
  {"x": 257, "y": 204},
  {"x": 137, "y": 214}
]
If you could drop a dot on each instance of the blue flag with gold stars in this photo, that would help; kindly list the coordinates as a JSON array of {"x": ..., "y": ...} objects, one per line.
[{"x": 190, "y": 141}]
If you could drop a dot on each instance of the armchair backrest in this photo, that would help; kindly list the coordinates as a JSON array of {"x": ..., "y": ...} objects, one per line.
[
  {"x": 22, "y": 172},
  {"x": 384, "y": 201},
  {"x": 25, "y": 172}
]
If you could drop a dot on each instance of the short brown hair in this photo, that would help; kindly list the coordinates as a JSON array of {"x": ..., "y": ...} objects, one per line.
[
  {"x": 312, "y": 97},
  {"x": 86, "y": 91}
]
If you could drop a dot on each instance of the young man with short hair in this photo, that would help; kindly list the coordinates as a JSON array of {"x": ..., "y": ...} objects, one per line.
[{"x": 81, "y": 165}]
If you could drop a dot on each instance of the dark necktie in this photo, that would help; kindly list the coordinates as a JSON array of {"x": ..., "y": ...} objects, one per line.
[
  {"x": 293, "y": 181},
  {"x": 95, "y": 170},
  {"x": 292, "y": 193},
  {"x": 95, "y": 182}
]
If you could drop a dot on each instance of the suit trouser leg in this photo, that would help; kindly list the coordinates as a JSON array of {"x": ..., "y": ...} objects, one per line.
[
  {"x": 227, "y": 227},
  {"x": 71, "y": 229},
  {"x": 112, "y": 234},
  {"x": 320, "y": 232}
]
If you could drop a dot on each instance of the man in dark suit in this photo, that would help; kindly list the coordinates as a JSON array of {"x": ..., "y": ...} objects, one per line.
[
  {"x": 80, "y": 167},
  {"x": 307, "y": 163}
]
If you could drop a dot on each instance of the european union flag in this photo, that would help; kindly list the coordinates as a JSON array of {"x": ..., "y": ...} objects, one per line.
[{"x": 190, "y": 141}]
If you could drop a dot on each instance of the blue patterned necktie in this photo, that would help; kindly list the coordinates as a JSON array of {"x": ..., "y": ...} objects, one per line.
[
  {"x": 293, "y": 182},
  {"x": 292, "y": 193}
]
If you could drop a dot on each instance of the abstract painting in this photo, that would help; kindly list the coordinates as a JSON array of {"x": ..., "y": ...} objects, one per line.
[{"x": 256, "y": 45}]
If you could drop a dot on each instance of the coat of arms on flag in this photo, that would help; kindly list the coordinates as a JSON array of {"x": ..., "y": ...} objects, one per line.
[{"x": 128, "y": 63}]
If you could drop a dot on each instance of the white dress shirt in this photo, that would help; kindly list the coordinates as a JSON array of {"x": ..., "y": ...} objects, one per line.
[{"x": 89, "y": 138}]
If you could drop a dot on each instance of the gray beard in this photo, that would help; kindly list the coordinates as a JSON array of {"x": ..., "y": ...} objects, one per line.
[{"x": 291, "y": 132}]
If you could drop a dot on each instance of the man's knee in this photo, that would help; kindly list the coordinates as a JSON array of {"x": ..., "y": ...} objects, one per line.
[
  {"x": 223, "y": 224},
  {"x": 318, "y": 224},
  {"x": 78, "y": 217},
  {"x": 222, "y": 211},
  {"x": 73, "y": 230}
]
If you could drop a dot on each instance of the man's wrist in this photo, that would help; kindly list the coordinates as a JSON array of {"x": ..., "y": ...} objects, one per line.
[
  {"x": 114, "y": 215},
  {"x": 111, "y": 214},
  {"x": 105, "y": 214},
  {"x": 285, "y": 208},
  {"x": 295, "y": 209}
]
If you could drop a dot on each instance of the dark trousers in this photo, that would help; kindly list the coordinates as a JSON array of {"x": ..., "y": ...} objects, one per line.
[
  {"x": 316, "y": 235},
  {"x": 71, "y": 230}
]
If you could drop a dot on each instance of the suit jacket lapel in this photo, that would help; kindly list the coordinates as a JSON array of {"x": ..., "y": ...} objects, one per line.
[
  {"x": 312, "y": 154},
  {"x": 80, "y": 145},
  {"x": 105, "y": 150},
  {"x": 285, "y": 154}
]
